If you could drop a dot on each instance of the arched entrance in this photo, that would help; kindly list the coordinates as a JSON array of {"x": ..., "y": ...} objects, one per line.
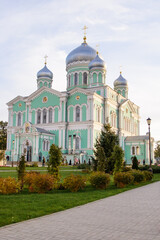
[{"x": 28, "y": 151}]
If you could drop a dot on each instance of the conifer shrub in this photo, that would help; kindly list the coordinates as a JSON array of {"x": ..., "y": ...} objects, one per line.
[
  {"x": 134, "y": 163},
  {"x": 21, "y": 171},
  {"x": 39, "y": 183},
  {"x": 9, "y": 185},
  {"x": 121, "y": 179},
  {"x": 74, "y": 183},
  {"x": 138, "y": 176},
  {"x": 148, "y": 175},
  {"x": 99, "y": 180}
]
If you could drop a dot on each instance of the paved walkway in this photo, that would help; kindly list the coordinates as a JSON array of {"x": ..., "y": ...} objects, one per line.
[{"x": 134, "y": 214}]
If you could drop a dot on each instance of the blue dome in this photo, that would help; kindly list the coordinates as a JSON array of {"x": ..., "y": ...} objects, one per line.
[
  {"x": 97, "y": 62},
  {"x": 120, "y": 81},
  {"x": 45, "y": 73},
  {"x": 81, "y": 53}
]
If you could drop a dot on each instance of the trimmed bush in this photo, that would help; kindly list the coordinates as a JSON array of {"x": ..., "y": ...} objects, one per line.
[
  {"x": 126, "y": 169},
  {"x": 121, "y": 179},
  {"x": 138, "y": 176},
  {"x": 148, "y": 175},
  {"x": 74, "y": 182},
  {"x": 9, "y": 186},
  {"x": 39, "y": 183},
  {"x": 99, "y": 180},
  {"x": 156, "y": 169},
  {"x": 84, "y": 166}
]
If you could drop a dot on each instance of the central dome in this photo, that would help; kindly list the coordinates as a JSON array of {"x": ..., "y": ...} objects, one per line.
[{"x": 81, "y": 53}]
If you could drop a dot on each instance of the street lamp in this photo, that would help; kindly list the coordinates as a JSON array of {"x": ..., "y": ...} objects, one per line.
[
  {"x": 13, "y": 153},
  {"x": 149, "y": 123}
]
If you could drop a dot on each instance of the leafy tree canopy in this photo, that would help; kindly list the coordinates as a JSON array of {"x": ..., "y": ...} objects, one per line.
[
  {"x": 3, "y": 135},
  {"x": 157, "y": 150}
]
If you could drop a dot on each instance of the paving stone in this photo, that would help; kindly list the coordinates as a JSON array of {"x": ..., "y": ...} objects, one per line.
[{"x": 131, "y": 215}]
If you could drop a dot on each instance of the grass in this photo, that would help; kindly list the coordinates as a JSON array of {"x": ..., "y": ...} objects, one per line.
[{"x": 20, "y": 207}]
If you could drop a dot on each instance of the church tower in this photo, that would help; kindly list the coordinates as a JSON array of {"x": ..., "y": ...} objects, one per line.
[
  {"x": 77, "y": 65},
  {"x": 97, "y": 70},
  {"x": 44, "y": 77},
  {"x": 121, "y": 86}
]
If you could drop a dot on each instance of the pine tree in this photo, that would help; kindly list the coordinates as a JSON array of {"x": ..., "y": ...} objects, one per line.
[
  {"x": 107, "y": 140},
  {"x": 117, "y": 155},
  {"x": 100, "y": 156},
  {"x": 55, "y": 158},
  {"x": 21, "y": 170},
  {"x": 134, "y": 163}
]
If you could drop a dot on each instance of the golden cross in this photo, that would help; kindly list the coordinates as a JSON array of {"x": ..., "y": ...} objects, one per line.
[
  {"x": 120, "y": 69},
  {"x": 45, "y": 59},
  {"x": 97, "y": 47},
  {"x": 84, "y": 33},
  {"x": 85, "y": 28}
]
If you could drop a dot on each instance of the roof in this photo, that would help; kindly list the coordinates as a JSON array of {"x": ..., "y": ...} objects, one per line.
[
  {"x": 41, "y": 130},
  {"x": 137, "y": 138}
]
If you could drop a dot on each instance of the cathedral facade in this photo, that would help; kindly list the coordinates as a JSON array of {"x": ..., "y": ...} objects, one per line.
[{"x": 73, "y": 119}]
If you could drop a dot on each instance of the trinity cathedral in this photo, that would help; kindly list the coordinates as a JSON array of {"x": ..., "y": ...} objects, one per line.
[{"x": 74, "y": 118}]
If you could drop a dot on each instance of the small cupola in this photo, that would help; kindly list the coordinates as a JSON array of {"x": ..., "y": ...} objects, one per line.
[
  {"x": 121, "y": 86},
  {"x": 44, "y": 76}
]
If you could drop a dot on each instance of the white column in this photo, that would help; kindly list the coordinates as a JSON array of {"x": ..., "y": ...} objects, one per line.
[
  {"x": 59, "y": 137},
  {"x": 36, "y": 144}
]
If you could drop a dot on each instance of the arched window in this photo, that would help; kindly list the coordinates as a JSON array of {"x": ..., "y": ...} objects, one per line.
[
  {"x": 77, "y": 114},
  {"x": 19, "y": 119},
  {"x": 69, "y": 80},
  {"x": 77, "y": 143},
  {"x": 47, "y": 148},
  {"x": 133, "y": 150},
  {"x": 44, "y": 115},
  {"x": 38, "y": 116},
  {"x": 75, "y": 79},
  {"x": 137, "y": 150},
  {"x": 98, "y": 115},
  {"x": 50, "y": 115},
  {"x": 84, "y": 78},
  {"x": 44, "y": 145}
]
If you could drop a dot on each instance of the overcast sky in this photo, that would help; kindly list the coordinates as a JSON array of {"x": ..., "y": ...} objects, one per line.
[{"x": 127, "y": 31}]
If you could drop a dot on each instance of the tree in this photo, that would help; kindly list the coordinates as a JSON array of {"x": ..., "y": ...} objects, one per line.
[
  {"x": 100, "y": 155},
  {"x": 21, "y": 170},
  {"x": 107, "y": 140},
  {"x": 117, "y": 156},
  {"x": 134, "y": 163},
  {"x": 3, "y": 135},
  {"x": 55, "y": 158},
  {"x": 157, "y": 150}
]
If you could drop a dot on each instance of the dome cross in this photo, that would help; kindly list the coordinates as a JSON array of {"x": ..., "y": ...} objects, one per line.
[
  {"x": 45, "y": 57},
  {"x": 85, "y": 28}
]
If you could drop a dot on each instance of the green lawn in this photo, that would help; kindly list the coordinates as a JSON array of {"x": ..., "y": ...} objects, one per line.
[{"x": 23, "y": 206}]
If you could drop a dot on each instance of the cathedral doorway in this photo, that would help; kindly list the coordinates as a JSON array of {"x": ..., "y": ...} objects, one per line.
[{"x": 28, "y": 151}]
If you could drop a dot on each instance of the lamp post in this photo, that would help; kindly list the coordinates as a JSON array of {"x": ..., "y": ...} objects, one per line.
[
  {"x": 149, "y": 123},
  {"x": 13, "y": 153}
]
